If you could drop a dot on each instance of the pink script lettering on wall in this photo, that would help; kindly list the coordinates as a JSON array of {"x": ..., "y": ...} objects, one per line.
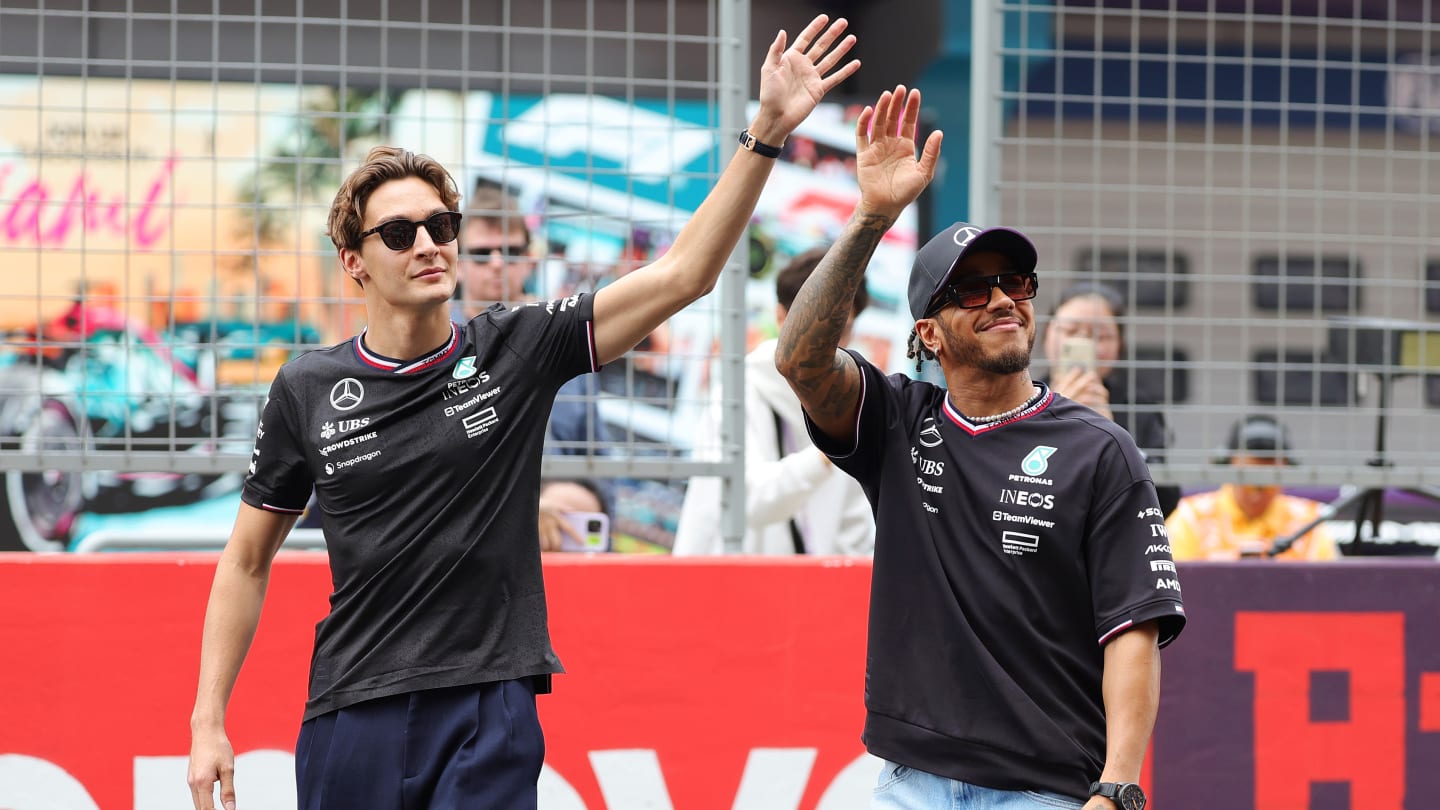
[{"x": 37, "y": 215}]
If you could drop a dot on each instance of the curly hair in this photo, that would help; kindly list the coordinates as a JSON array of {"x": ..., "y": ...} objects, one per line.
[{"x": 383, "y": 164}]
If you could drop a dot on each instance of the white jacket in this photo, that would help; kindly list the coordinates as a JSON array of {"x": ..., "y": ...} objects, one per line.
[{"x": 832, "y": 510}]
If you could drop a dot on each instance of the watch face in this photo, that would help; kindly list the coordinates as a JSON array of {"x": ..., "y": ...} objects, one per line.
[{"x": 1131, "y": 797}]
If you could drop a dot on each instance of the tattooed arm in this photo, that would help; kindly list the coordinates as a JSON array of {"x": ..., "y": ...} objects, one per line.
[
  {"x": 826, "y": 380},
  {"x": 792, "y": 82}
]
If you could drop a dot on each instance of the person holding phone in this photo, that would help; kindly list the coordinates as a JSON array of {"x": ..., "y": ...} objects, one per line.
[
  {"x": 1083, "y": 343},
  {"x": 573, "y": 515}
]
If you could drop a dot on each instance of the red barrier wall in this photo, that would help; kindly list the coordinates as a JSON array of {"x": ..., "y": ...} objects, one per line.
[{"x": 721, "y": 684}]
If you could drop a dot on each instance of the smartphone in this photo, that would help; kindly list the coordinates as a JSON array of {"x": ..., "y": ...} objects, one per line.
[
  {"x": 1077, "y": 352},
  {"x": 594, "y": 531}
]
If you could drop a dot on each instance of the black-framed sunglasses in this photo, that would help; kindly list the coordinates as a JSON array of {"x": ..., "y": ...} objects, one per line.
[
  {"x": 975, "y": 292},
  {"x": 483, "y": 254},
  {"x": 399, "y": 234}
]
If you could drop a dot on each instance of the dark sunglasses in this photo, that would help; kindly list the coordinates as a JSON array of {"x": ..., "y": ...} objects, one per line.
[
  {"x": 975, "y": 292},
  {"x": 483, "y": 254},
  {"x": 399, "y": 234}
]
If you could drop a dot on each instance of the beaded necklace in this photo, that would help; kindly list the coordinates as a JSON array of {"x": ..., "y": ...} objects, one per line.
[{"x": 1010, "y": 414}]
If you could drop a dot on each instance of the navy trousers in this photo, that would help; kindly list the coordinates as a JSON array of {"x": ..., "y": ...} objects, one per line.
[{"x": 462, "y": 748}]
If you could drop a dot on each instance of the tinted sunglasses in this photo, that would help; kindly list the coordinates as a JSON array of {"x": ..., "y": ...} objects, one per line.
[
  {"x": 483, "y": 254},
  {"x": 975, "y": 292},
  {"x": 399, "y": 234}
]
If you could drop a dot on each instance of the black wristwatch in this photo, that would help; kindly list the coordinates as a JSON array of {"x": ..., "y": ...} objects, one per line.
[
  {"x": 748, "y": 141},
  {"x": 1126, "y": 795}
]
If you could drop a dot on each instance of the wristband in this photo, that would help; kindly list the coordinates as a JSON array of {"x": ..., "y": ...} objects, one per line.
[{"x": 748, "y": 141}]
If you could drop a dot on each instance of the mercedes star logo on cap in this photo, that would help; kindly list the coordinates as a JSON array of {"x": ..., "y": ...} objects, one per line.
[{"x": 963, "y": 235}]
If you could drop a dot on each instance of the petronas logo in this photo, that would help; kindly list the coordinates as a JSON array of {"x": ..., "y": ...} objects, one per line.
[
  {"x": 465, "y": 368},
  {"x": 1038, "y": 461}
]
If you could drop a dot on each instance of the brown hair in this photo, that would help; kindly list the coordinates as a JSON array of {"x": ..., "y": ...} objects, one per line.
[
  {"x": 792, "y": 277},
  {"x": 383, "y": 164},
  {"x": 497, "y": 206}
]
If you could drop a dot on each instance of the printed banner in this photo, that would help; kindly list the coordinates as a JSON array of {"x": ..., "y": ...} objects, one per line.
[{"x": 720, "y": 684}]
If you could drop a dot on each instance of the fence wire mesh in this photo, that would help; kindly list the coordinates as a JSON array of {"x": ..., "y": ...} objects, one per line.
[
  {"x": 165, "y": 174},
  {"x": 1257, "y": 180}
]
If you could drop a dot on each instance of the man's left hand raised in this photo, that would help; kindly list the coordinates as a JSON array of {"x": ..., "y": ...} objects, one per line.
[{"x": 793, "y": 80}]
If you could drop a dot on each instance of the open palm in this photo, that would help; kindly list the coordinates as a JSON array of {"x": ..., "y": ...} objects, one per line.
[
  {"x": 793, "y": 80},
  {"x": 890, "y": 175}
]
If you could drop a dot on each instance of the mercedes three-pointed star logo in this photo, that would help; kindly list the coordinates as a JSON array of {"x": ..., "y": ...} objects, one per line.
[
  {"x": 346, "y": 394},
  {"x": 964, "y": 235},
  {"x": 930, "y": 433}
]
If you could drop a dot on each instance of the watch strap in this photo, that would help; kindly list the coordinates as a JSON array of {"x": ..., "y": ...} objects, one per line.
[
  {"x": 750, "y": 142},
  {"x": 1132, "y": 799}
]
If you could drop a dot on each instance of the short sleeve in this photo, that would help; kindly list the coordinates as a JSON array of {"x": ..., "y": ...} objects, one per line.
[
  {"x": 279, "y": 478},
  {"x": 1129, "y": 563},
  {"x": 860, "y": 453},
  {"x": 556, "y": 336}
]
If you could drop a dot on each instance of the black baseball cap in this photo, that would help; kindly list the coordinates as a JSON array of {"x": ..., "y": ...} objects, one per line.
[
  {"x": 1257, "y": 435},
  {"x": 937, "y": 259}
]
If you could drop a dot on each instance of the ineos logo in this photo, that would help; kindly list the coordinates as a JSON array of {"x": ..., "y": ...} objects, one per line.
[
  {"x": 346, "y": 394},
  {"x": 964, "y": 235}
]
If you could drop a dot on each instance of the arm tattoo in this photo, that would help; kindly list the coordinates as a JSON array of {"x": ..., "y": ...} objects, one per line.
[{"x": 824, "y": 380}]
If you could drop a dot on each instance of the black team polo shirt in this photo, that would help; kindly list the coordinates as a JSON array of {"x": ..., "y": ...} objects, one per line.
[
  {"x": 1006, "y": 556},
  {"x": 428, "y": 475}
]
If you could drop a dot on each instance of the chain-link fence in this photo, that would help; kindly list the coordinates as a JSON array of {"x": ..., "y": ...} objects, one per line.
[
  {"x": 165, "y": 174},
  {"x": 1257, "y": 179}
]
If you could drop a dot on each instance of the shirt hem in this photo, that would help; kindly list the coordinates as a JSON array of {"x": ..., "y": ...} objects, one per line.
[
  {"x": 334, "y": 701},
  {"x": 974, "y": 763}
]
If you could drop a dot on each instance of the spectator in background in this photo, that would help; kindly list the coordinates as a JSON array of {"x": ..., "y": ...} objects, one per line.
[
  {"x": 560, "y": 497},
  {"x": 498, "y": 267},
  {"x": 796, "y": 502},
  {"x": 1096, "y": 311},
  {"x": 1244, "y": 520}
]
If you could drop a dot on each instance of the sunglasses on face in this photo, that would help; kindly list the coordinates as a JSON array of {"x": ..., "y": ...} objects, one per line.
[
  {"x": 483, "y": 254},
  {"x": 399, "y": 234},
  {"x": 974, "y": 293}
]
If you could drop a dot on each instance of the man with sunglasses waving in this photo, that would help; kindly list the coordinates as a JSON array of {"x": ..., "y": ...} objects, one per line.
[
  {"x": 422, "y": 439},
  {"x": 1022, "y": 584}
]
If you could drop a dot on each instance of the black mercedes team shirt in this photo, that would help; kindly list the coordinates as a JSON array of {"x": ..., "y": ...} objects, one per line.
[
  {"x": 1006, "y": 556},
  {"x": 428, "y": 473}
]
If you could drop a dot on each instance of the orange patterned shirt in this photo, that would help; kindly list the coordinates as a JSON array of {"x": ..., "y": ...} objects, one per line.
[{"x": 1210, "y": 526}]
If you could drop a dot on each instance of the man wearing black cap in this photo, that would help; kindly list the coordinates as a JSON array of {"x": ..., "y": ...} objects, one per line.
[
  {"x": 1244, "y": 520},
  {"x": 1022, "y": 584}
]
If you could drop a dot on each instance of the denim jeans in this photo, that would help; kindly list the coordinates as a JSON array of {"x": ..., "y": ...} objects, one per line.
[{"x": 904, "y": 788}]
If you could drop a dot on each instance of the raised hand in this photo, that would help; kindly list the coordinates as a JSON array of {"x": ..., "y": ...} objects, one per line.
[
  {"x": 794, "y": 79},
  {"x": 889, "y": 174}
]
